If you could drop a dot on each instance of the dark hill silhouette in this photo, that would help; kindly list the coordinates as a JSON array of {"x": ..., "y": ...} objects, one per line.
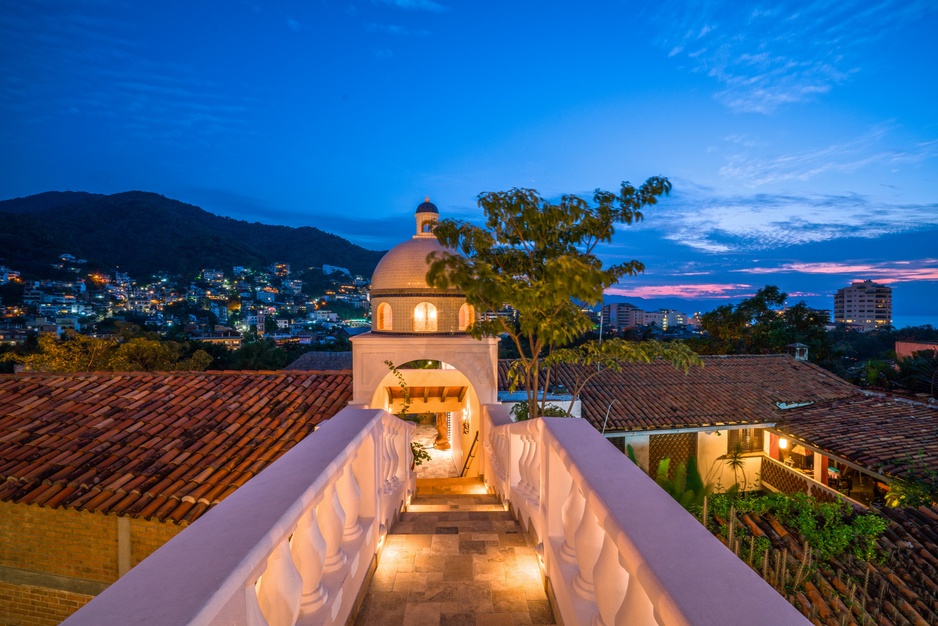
[{"x": 143, "y": 233}]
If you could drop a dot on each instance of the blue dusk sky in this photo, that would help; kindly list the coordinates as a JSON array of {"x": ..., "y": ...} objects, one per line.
[{"x": 801, "y": 137}]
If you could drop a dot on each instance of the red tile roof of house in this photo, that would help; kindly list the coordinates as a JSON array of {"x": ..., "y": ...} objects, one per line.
[
  {"x": 164, "y": 446},
  {"x": 738, "y": 389},
  {"x": 875, "y": 432}
]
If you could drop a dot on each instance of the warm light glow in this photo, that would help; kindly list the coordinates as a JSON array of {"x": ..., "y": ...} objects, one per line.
[
  {"x": 782, "y": 443},
  {"x": 383, "y": 317},
  {"x": 425, "y": 318},
  {"x": 466, "y": 316}
]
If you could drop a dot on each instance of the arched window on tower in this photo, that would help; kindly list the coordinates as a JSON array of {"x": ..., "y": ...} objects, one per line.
[
  {"x": 425, "y": 318},
  {"x": 383, "y": 316},
  {"x": 467, "y": 316}
]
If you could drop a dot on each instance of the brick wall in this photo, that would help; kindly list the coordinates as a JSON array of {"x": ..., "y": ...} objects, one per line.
[
  {"x": 64, "y": 542},
  {"x": 147, "y": 536},
  {"x": 67, "y": 543},
  {"x": 25, "y": 605}
]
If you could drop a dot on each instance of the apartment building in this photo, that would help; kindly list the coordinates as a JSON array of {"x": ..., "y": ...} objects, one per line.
[{"x": 864, "y": 305}]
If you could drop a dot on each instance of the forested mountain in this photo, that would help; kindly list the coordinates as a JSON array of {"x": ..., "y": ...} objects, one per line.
[{"x": 143, "y": 233}]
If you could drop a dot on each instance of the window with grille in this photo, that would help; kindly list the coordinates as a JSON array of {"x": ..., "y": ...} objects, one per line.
[{"x": 747, "y": 439}]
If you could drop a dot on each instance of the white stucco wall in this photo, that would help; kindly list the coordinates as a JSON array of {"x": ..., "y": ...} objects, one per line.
[{"x": 711, "y": 450}]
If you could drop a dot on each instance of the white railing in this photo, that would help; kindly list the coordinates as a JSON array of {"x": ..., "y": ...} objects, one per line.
[
  {"x": 616, "y": 548},
  {"x": 295, "y": 544}
]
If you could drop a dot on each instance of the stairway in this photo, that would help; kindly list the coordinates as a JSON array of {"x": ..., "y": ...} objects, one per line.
[{"x": 456, "y": 557}]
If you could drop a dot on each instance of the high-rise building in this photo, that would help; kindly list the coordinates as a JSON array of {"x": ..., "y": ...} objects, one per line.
[
  {"x": 864, "y": 306},
  {"x": 622, "y": 315}
]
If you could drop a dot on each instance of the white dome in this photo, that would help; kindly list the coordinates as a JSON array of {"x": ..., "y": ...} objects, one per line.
[{"x": 405, "y": 265}]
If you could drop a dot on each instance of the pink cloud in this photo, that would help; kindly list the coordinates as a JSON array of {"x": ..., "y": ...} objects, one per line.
[
  {"x": 711, "y": 290},
  {"x": 891, "y": 272}
]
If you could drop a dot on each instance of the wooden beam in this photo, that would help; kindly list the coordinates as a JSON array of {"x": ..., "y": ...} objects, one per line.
[
  {"x": 443, "y": 395},
  {"x": 462, "y": 393},
  {"x": 390, "y": 395},
  {"x": 426, "y": 394}
]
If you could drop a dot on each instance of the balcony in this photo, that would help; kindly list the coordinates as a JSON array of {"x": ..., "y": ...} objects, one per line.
[{"x": 299, "y": 543}]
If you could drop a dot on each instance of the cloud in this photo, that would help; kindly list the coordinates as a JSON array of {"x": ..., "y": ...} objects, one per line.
[
  {"x": 886, "y": 272},
  {"x": 764, "y": 59},
  {"x": 721, "y": 224},
  {"x": 73, "y": 59},
  {"x": 708, "y": 290},
  {"x": 845, "y": 157},
  {"x": 416, "y": 5},
  {"x": 294, "y": 25}
]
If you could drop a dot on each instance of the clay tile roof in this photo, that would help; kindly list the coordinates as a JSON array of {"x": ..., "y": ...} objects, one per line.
[
  {"x": 727, "y": 390},
  {"x": 166, "y": 446},
  {"x": 880, "y": 433},
  {"x": 322, "y": 362}
]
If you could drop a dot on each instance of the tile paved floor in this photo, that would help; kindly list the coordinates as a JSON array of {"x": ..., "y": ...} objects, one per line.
[
  {"x": 456, "y": 557},
  {"x": 441, "y": 463}
]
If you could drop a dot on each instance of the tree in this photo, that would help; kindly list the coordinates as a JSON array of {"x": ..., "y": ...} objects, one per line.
[
  {"x": 148, "y": 355},
  {"x": 81, "y": 353},
  {"x": 72, "y": 353},
  {"x": 763, "y": 325},
  {"x": 539, "y": 257}
]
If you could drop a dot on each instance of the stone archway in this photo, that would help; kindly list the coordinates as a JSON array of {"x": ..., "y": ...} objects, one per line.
[{"x": 472, "y": 365}]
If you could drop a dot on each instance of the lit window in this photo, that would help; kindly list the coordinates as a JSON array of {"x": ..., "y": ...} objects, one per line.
[
  {"x": 425, "y": 318},
  {"x": 383, "y": 317},
  {"x": 466, "y": 316}
]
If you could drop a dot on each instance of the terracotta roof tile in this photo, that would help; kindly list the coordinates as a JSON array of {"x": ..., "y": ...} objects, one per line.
[
  {"x": 876, "y": 432},
  {"x": 741, "y": 389},
  {"x": 139, "y": 443}
]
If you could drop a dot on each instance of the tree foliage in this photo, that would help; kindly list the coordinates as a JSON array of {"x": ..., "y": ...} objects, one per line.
[
  {"x": 82, "y": 353},
  {"x": 763, "y": 324},
  {"x": 539, "y": 257}
]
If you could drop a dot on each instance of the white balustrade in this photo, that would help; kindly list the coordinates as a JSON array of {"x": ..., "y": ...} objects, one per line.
[
  {"x": 350, "y": 497},
  {"x": 588, "y": 542},
  {"x": 633, "y": 554},
  {"x": 395, "y": 458},
  {"x": 309, "y": 553},
  {"x": 279, "y": 588},
  {"x": 616, "y": 548},
  {"x": 332, "y": 523},
  {"x": 293, "y": 543},
  {"x": 610, "y": 594},
  {"x": 570, "y": 516}
]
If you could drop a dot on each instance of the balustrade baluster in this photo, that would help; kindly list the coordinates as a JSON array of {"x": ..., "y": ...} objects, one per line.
[
  {"x": 637, "y": 608},
  {"x": 534, "y": 464},
  {"x": 588, "y": 542},
  {"x": 570, "y": 517},
  {"x": 332, "y": 523},
  {"x": 279, "y": 588},
  {"x": 393, "y": 436},
  {"x": 611, "y": 581},
  {"x": 309, "y": 553},
  {"x": 524, "y": 485},
  {"x": 385, "y": 447},
  {"x": 350, "y": 496}
]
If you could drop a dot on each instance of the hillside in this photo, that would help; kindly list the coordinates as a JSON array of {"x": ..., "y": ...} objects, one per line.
[{"x": 143, "y": 233}]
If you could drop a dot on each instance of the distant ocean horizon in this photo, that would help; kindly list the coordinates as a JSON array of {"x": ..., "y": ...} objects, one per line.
[{"x": 901, "y": 321}]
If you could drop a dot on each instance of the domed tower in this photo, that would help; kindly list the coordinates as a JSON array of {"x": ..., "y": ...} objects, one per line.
[
  {"x": 401, "y": 299},
  {"x": 412, "y": 321}
]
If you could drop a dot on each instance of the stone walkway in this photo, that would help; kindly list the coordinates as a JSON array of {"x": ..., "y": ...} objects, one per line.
[
  {"x": 441, "y": 463},
  {"x": 456, "y": 557}
]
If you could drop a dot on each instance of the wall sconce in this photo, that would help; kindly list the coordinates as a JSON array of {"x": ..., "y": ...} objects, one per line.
[
  {"x": 465, "y": 421},
  {"x": 782, "y": 443}
]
